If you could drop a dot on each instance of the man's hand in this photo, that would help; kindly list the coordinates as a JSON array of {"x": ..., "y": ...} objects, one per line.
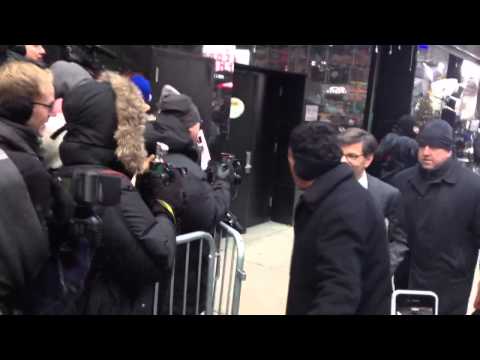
[{"x": 147, "y": 163}]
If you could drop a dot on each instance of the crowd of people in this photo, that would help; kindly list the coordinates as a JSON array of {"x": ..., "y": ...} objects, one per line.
[
  {"x": 417, "y": 224},
  {"x": 101, "y": 126}
]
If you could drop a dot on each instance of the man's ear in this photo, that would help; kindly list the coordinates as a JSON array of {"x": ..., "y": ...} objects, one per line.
[{"x": 369, "y": 160}]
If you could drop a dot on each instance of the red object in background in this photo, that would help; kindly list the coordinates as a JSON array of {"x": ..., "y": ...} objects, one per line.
[{"x": 227, "y": 85}]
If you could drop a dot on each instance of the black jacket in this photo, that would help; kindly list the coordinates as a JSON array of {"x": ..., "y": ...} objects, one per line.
[
  {"x": 340, "y": 261},
  {"x": 22, "y": 146},
  {"x": 442, "y": 221},
  {"x": 138, "y": 247},
  {"x": 394, "y": 154},
  {"x": 25, "y": 207},
  {"x": 206, "y": 203}
]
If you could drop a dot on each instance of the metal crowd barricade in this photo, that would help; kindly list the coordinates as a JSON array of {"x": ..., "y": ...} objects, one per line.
[
  {"x": 229, "y": 266},
  {"x": 226, "y": 248}
]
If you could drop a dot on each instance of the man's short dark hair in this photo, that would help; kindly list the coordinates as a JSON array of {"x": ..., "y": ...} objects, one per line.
[
  {"x": 356, "y": 135},
  {"x": 315, "y": 148}
]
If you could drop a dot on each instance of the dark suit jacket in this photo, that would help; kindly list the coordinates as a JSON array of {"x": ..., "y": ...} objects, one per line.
[{"x": 388, "y": 199}]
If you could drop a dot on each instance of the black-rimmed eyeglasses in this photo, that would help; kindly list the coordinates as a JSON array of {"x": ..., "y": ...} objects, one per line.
[{"x": 49, "y": 106}]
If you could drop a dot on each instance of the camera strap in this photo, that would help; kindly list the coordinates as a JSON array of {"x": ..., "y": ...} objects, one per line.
[{"x": 169, "y": 209}]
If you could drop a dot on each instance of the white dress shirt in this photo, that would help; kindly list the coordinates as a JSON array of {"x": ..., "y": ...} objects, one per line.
[{"x": 364, "y": 180}]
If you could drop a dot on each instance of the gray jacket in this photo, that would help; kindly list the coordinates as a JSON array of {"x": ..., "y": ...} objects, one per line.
[{"x": 388, "y": 199}]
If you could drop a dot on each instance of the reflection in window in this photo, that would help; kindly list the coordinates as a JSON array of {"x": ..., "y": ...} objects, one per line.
[
  {"x": 428, "y": 98},
  {"x": 339, "y": 81},
  {"x": 337, "y": 74}
]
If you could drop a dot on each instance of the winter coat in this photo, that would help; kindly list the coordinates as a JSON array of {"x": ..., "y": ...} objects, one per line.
[
  {"x": 206, "y": 204},
  {"x": 25, "y": 207},
  {"x": 340, "y": 262},
  {"x": 138, "y": 247},
  {"x": 442, "y": 220}
]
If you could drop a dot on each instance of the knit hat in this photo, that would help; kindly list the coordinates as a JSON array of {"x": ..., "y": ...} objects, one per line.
[
  {"x": 436, "y": 134},
  {"x": 67, "y": 75},
  {"x": 144, "y": 85},
  {"x": 171, "y": 101}
]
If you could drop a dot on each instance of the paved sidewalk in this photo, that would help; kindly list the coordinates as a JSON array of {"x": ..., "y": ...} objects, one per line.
[{"x": 268, "y": 248}]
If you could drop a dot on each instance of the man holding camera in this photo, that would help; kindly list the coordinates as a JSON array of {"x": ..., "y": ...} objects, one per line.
[{"x": 177, "y": 125}]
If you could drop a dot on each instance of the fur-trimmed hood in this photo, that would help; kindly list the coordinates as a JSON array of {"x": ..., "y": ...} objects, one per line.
[{"x": 105, "y": 124}]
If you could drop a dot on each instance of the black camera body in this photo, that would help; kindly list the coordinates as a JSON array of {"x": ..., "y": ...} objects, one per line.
[
  {"x": 88, "y": 191},
  {"x": 91, "y": 188},
  {"x": 165, "y": 171},
  {"x": 226, "y": 160}
]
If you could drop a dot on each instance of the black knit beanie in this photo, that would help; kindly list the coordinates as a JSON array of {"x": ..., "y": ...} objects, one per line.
[{"x": 436, "y": 134}]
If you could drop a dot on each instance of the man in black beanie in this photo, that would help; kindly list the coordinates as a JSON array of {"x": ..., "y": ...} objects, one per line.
[
  {"x": 441, "y": 215},
  {"x": 340, "y": 261}
]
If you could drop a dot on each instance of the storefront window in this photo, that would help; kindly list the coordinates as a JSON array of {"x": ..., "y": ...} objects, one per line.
[
  {"x": 427, "y": 101},
  {"x": 338, "y": 83},
  {"x": 466, "y": 121}
]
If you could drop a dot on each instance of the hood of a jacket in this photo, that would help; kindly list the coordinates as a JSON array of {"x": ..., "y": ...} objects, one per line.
[
  {"x": 67, "y": 75},
  {"x": 325, "y": 184},
  {"x": 168, "y": 129},
  {"x": 179, "y": 105},
  {"x": 105, "y": 124}
]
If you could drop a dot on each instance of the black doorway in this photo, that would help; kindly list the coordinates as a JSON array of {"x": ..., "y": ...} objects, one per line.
[{"x": 259, "y": 137}]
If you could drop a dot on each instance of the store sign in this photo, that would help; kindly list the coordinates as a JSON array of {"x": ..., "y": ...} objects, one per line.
[
  {"x": 224, "y": 56},
  {"x": 336, "y": 90},
  {"x": 237, "y": 108}
]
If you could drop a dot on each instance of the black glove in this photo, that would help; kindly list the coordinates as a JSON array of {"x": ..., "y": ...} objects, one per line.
[{"x": 155, "y": 191}]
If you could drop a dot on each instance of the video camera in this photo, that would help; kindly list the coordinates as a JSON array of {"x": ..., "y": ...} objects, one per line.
[
  {"x": 161, "y": 167},
  {"x": 90, "y": 190},
  {"x": 227, "y": 160}
]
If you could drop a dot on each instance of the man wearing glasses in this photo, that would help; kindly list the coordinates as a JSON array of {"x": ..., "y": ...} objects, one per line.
[
  {"x": 26, "y": 102},
  {"x": 340, "y": 259},
  {"x": 358, "y": 147}
]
